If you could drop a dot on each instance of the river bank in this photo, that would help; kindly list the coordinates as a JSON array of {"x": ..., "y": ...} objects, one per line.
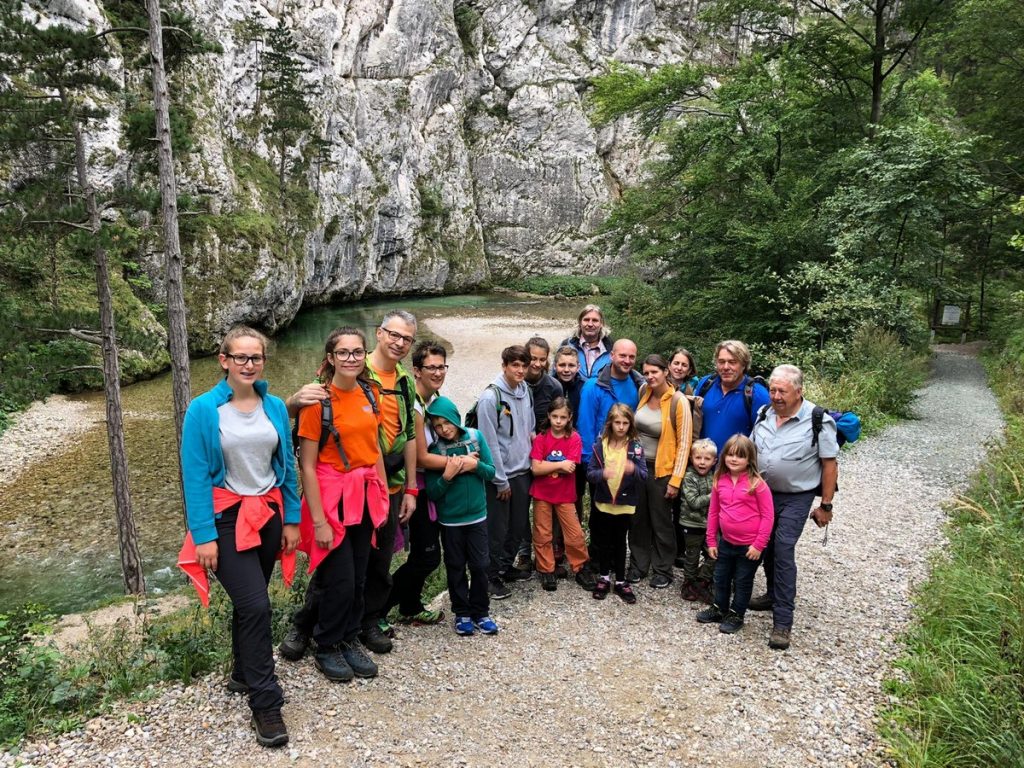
[{"x": 38, "y": 432}]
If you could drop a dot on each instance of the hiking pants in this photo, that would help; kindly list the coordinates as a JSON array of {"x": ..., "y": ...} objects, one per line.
[
  {"x": 378, "y": 568},
  {"x": 791, "y": 511},
  {"x": 734, "y": 573},
  {"x": 424, "y": 557},
  {"x": 244, "y": 576},
  {"x": 543, "y": 526},
  {"x": 465, "y": 546},
  {"x": 503, "y": 517},
  {"x": 652, "y": 537},
  {"x": 334, "y": 598},
  {"x": 696, "y": 545},
  {"x": 608, "y": 542}
]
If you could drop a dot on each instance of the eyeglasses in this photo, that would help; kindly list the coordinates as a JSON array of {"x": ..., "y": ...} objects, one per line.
[
  {"x": 433, "y": 368},
  {"x": 349, "y": 354},
  {"x": 396, "y": 337},
  {"x": 241, "y": 360}
]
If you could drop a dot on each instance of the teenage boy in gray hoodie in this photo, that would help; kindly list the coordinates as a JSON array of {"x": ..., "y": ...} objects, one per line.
[{"x": 505, "y": 417}]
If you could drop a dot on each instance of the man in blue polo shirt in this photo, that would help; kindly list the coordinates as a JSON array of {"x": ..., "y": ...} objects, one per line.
[{"x": 731, "y": 398}]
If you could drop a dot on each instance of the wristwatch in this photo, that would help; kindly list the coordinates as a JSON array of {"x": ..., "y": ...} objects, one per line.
[{"x": 826, "y": 506}]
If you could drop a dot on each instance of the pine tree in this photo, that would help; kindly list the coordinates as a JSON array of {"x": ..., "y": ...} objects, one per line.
[{"x": 53, "y": 81}]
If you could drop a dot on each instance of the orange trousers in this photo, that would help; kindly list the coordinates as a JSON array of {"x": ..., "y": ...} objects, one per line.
[{"x": 575, "y": 546}]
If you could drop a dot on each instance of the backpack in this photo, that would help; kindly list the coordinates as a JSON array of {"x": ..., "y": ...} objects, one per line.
[
  {"x": 472, "y": 419},
  {"x": 705, "y": 386},
  {"x": 847, "y": 424},
  {"x": 696, "y": 411},
  {"x": 327, "y": 428}
]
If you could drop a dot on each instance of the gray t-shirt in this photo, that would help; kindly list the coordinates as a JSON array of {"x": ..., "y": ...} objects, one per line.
[
  {"x": 248, "y": 442},
  {"x": 786, "y": 457},
  {"x": 648, "y": 424}
]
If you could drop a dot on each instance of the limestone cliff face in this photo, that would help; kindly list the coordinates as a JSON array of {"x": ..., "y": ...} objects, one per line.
[{"x": 458, "y": 146}]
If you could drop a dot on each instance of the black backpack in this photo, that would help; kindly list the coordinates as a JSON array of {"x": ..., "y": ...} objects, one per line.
[
  {"x": 748, "y": 396},
  {"x": 327, "y": 428},
  {"x": 472, "y": 420},
  {"x": 847, "y": 424}
]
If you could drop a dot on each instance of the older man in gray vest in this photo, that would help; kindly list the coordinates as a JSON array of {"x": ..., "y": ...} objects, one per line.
[{"x": 796, "y": 455}]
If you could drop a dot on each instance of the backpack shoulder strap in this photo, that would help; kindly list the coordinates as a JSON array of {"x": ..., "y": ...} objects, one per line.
[
  {"x": 817, "y": 417},
  {"x": 328, "y": 430},
  {"x": 367, "y": 388},
  {"x": 705, "y": 386},
  {"x": 762, "y": 414}
]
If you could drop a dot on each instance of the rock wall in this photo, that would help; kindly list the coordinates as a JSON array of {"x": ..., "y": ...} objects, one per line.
[{"x": 460, "y": 150}]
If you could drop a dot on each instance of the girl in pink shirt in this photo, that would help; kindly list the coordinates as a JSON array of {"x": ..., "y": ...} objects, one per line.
[{"x": 740, "y": 522}]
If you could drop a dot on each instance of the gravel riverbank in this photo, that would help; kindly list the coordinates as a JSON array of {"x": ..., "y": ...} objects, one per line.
[
  {"x": 37, "y": 430},
  {"x": 577, "y": 682}
]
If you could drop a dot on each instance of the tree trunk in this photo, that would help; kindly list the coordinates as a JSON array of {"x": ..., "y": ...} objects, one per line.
[
  {"x": 877, "y": 62},
  {"x": 128, "y": 535},
  {"x": 177, "y": 333}
]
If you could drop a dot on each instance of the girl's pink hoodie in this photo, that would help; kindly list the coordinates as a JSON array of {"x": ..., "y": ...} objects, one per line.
[{"x": 744, "y": 518}]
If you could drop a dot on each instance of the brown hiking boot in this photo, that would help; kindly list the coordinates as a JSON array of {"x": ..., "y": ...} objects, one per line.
[
  {"x": 270, "y": 728},
  {"x": 779, "y": 638},
  {"x": 760, "y": 603}
]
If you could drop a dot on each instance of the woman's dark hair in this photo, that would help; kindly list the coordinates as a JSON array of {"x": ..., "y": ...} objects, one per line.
[
  {"x": 326, "y": 371},
  {"x": 425, "y": 348},
  {"x": 689, "y": 358},
  {"x": 656, "y": 360}
]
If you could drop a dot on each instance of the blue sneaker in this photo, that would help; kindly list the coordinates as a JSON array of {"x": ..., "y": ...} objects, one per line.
[
  {"x": 464, "y": 625},
  {"x": 486, "y": 625}
]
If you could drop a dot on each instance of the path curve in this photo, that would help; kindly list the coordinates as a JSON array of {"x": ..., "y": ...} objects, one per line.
[{"x": 578, "y": 682}]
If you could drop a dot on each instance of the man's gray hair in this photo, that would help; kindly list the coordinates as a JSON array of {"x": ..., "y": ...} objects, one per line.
[
  {"x": 789, "y": 373},
  {"x": 406, "y": 317},
  {"x": 737, "y": 349}
]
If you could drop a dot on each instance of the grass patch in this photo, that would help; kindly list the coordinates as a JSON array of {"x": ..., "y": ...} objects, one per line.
[
  {"x": 43, "y": 690},
  {"x": 959, "y": 697},
  {"x": 569, "y": 286}
]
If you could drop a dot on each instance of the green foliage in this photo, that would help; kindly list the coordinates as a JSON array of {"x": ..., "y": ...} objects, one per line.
[
  {"x": 668, "y": 91},
  {"x": 28, "y": 673},
  {"x": 467, "y": 21},
  {"x": 959, "y": 700}
]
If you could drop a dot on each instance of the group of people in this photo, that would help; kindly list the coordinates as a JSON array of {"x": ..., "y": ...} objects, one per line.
[{"x": 387, "y": 462}]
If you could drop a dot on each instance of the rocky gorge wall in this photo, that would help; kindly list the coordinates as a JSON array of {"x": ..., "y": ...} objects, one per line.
[{"x": 458, "y": 147}]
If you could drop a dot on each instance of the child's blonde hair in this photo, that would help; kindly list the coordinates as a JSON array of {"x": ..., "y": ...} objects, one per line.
[
  {"x": 704, "y": 445},
  {"x": 620, "y": 409},
  {"x": 743, "y": 447}
]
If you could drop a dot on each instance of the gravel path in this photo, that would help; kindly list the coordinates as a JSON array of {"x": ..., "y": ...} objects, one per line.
[{"x": 577, "y": 682}]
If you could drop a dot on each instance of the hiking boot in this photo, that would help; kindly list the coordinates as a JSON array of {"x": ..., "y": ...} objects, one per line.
[
  {"x": 423, "y": 618},
  {"x": 361, "y": 664},
  {"x": 236, "y": 683},
  {"x": 601, "y": 589},
  {"x": 497, "y": 589},
  {"x": 522, "y": 562},
  {"x": 270, "y": 728},
  {"x": 658, "y": 581},
  {"x": 779, "y": 638},
  {"x": 374, "y": 639},
  {"x": 562, "y": 570},
  {"x": 548, "y": 582},
  {"x": 332, "y": 664},
  {"x": 710, "y": 615},
  {"x": 294, "y": 645},
  {"x": 464, "y": 626},
  {"x": 623, "y": 590},
  {"x": 633, "y": 576},
  {"x": 486, "y": 625},
  {"x": 760, "y": 603},
  {"x": 732, "y": 622},
  {"x": 517, "y": 574},
  {"x": 688, "y": 591},
  {"x": 705, "y": 591},
  {"x": 586, "y": 579}
]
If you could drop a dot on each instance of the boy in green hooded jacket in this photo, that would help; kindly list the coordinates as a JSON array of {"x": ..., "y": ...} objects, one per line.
[{"x": 460, "y": 496}]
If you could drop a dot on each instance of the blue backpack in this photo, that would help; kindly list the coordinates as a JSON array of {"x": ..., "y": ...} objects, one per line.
[{"x": 847, "y": 424}]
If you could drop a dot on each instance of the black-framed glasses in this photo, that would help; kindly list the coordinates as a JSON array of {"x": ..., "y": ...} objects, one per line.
[
  {"x": 434, "y": 368},
  {"x": 349, "y": 354},
  {"x": 242, "y": 360},
  {"x": 396, "y": 337}
]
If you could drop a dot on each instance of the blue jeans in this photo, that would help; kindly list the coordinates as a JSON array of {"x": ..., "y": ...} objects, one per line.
[
  {"x": 791, "y": 510},
  {"x": 734, "y": 573}
]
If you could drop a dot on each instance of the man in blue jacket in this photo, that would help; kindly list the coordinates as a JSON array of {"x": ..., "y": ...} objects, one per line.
[{"x": 617, "y": 383}]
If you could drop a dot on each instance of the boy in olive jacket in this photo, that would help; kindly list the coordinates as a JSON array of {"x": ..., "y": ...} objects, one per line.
[
  {"x": 460, "y": 496},
  {"x": 693, "y": 519}
]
